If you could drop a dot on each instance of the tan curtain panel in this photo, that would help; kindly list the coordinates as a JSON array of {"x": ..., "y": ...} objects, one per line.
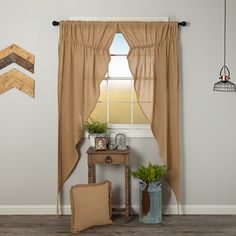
[
  {"x": 153, "y": 61},
  {"x": 83, "y": 61}
]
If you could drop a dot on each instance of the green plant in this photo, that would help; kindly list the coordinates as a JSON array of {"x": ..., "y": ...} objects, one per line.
[
  {"x": 94, "y": 127},
  {"x": 149, "y": 173}
]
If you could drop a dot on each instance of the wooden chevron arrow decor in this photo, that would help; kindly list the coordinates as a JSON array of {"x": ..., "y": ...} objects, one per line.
[
  {"x": 16, "y": 79},
  {"x": 18, "y": 55}
]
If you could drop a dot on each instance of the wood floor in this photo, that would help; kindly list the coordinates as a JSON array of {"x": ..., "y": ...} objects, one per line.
[{"x": 172, "y": 225}]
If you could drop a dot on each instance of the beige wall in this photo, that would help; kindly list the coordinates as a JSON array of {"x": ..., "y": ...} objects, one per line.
[{"x": 28, "y": 127}]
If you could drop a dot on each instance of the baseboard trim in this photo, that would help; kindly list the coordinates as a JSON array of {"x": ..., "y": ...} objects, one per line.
[
  {"x": 200, "y": 210},
  {"x": 167, "y": 210},
  {"x": 28, "y": 209}
]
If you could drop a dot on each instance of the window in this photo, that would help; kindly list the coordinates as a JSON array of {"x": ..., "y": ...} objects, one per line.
[{"x": 118, "y": 101}]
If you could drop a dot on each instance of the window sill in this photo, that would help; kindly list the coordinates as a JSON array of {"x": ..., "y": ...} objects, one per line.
[{"x": 131, "y": 131}]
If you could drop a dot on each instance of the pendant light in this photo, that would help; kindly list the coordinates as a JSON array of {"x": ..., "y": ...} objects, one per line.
[{"x": 224, "y": 85}]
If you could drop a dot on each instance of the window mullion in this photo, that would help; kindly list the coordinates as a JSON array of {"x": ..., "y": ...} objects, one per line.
[
  {"x": 108, "y": 97},
  {"x": 132, "y": 102}
]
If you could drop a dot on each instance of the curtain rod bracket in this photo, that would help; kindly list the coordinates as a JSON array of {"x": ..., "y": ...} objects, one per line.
[{"x": 182, "y": 23}]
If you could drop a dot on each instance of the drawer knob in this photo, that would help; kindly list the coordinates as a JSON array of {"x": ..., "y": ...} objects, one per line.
[{"x": 108, "y": 159}]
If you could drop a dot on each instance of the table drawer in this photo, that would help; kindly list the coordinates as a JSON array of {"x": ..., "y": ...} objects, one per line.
[{"x": 108, "y": 159}]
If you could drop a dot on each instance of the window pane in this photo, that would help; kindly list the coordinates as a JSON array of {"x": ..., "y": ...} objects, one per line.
[
  {"x": 100, "y": 112},
  {"x": 119, "y": 45},
  {"x": 119, "y": 90},
  {"x": 103, "y": 91},
  {"x": 118, "y": 67},
  {"x": 138, "y": 116},
  {"x": 120, "y": 113}
]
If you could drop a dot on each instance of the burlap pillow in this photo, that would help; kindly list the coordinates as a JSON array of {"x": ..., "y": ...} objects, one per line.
[{"x": 90, "y": 205}]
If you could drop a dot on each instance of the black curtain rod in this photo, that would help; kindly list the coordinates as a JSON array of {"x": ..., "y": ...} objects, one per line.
[{"x": 182, "y": 23}]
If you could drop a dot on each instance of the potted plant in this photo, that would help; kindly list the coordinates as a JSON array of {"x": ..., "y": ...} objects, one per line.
[
  {"x": 150, "y": 193},
  {"x": 95, "y": 129}
]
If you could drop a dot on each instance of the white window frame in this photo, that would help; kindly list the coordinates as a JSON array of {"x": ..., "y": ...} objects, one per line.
[{"x": 130, "y": 130}]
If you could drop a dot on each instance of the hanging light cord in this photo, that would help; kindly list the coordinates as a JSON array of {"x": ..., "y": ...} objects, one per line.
[
  {"x": 225, "y": 36},
  {"x": 224, "y": 85}
]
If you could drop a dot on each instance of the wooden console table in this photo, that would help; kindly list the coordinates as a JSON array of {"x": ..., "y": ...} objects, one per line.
[{"x": 113, "y": 157}]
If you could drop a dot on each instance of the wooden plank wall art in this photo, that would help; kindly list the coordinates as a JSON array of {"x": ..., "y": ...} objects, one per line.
[{"x": 15, "y": 78}]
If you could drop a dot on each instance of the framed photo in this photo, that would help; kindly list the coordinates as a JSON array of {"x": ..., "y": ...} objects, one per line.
[
  {"x": 112, "y": 141},
  {"x": 100, "y": 143},
  {"x": 121, "y": 142}
]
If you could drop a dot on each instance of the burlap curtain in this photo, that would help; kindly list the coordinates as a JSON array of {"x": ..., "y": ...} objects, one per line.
[
  {"x": 153, "y": 61},
  {"x": 83, "y": 61}
]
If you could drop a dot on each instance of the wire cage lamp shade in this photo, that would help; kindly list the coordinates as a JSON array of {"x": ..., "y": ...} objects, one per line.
[{"x": 224, "y": 85}]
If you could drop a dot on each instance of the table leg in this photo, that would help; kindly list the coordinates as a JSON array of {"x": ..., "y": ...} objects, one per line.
[
  {"x": 90, "y": 174},
  {"x": 94, "y": 173}
]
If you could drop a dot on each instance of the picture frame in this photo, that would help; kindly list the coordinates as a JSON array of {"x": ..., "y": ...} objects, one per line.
[
  {"x": 121, "y": 142},
  {"x": 112, "y": 141},
  {"x": 100, "y": 143}
]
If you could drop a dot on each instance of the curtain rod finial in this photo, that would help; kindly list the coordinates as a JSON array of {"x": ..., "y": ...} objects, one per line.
[
  {"x": 55, "y": 23},
  {"x": 182, "y": 23}
]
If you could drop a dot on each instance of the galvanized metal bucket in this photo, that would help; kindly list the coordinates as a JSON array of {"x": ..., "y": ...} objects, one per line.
[{"x": 150, "y": 202}]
